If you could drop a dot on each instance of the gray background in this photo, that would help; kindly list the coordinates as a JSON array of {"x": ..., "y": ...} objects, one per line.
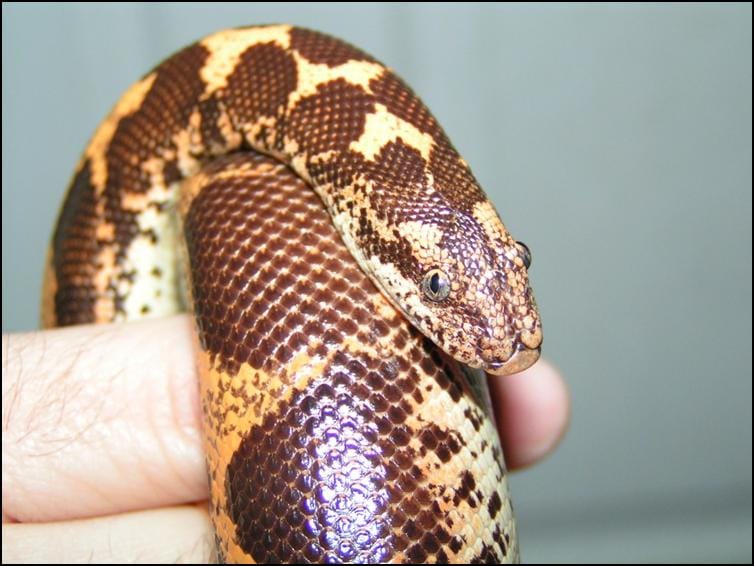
[{"x": 616, "y": 142}]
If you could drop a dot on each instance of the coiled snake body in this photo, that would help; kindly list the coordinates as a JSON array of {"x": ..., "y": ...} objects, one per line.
[{"x": 339, "y": 424}]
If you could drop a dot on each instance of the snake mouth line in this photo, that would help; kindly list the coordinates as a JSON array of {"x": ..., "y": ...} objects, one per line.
[{"x": 519, "y": 361}]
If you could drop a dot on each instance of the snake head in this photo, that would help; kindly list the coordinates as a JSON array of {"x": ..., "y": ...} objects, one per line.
[{"x": 462, "y": 280}]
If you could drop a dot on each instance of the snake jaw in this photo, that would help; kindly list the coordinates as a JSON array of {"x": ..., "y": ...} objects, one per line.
[{"x": 519, "y": 361}]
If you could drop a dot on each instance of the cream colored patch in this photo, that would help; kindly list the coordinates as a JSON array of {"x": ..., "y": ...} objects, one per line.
[
  {"x": 487, "y": 217},
  {"x": 345, "y": 219},
  {"x": 228, "y": 132},
  {"x": 105, "y": 231},
  {"x": 226, "y": 47},
  {"x": 290, "y": 146},
  {"x": 261, "y": 393},
  {"x": 343, "y": 222},
  {"x": 532, "y": 338},
  {"x": 187, "y": 163},
  {"x": 312, "y": 75},
  {"x": 189, "y": 190},
  {"x": 473, "y": 523},
  {"x": 158, "y": 294},
  {"x": 130, "y": 102},
  {"x": 383, "y": 127},
  {"x": 423, "y": 237},
  {"x": 188, "y": 144},
  {"x": 212, "y": 384},
  {"x": 147, "y": 295},
  {"x": 383, "y": 308},
  {"x": 346, "y": 225},
  {"x": 104, "y": 308},
  {"x": 299, "y": 165},
  {"x": 157, "y": 193},
  {"x": 268, "y": 125},
  {"x": 323, "y": 157}
]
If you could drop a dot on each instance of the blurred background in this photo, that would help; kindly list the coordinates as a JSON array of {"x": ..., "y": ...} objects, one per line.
[{"x": 616, "y": 142}]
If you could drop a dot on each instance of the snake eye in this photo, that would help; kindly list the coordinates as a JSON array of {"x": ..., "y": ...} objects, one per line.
[
  {"x": 524, "y": 253},
  {"x": 436, "y": 285}
]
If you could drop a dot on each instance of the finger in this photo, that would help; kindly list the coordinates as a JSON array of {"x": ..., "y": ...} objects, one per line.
[
  {"x": 161, "y": 536},
  {"x": 103, "y": 419},
  {"x": 532, "y": 409},
  {"x": 99, "y": 420}
]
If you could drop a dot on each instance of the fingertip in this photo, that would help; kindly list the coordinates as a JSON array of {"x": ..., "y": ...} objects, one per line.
[{"x": 532, "y": 409}]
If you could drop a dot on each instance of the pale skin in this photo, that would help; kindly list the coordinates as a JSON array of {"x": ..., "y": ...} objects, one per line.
[{"x": 102, "y": 455}]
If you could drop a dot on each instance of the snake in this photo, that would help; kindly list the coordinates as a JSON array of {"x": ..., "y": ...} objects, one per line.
[{"x": 351, "y": 286}]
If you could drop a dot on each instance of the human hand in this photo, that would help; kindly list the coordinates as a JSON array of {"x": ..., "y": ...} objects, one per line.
[{"x": 102, "y": 450}]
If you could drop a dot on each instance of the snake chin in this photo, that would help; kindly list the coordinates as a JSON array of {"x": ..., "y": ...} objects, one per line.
[{"x": 519, "y": 361}]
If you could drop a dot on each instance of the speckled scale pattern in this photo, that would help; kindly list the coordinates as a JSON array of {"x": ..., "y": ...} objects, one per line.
[
  {"x": 400, "y": 195},
  {"x": 298, "y": 350},
  {"x": 387, "y": 452}
]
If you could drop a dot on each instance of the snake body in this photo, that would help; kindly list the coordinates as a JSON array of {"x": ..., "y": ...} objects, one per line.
[{"x": 339, "y": 423}]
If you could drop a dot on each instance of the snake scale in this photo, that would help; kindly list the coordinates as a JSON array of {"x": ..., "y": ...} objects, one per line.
[{"x": 336, "y": 328}]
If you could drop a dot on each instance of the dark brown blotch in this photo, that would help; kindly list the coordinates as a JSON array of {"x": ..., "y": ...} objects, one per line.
[
  {"x": 320, "y": 48},
  {"x": 74, "y": 248},
  {"x": 259, "y": 87}
]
